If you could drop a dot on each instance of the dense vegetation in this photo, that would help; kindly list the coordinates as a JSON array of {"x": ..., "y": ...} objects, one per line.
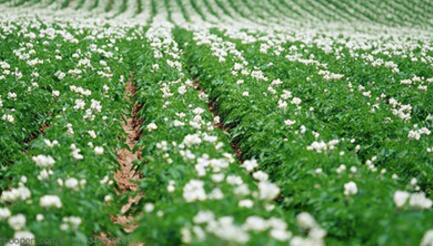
[{"x": 214, "y": 122}]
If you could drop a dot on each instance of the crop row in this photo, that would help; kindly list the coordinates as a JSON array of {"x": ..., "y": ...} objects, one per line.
[
  {"x": 397, "y": 101},
  {"x": 59, "y": 186},
  {"x": 264, "y": 12},
  {"x": 312, "y": 136},
  {"x": 195, "y": 190},
  {"x": 262, "y": 122}
]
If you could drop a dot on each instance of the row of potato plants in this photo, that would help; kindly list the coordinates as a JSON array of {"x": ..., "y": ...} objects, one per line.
[
  {"x": 195, "y": 190},
  {"x": 61, "y": 190},
  {"x": 289, "y": 117},
  {"x": 26, "y": 75},
  {"x": 391, "y": 119}
]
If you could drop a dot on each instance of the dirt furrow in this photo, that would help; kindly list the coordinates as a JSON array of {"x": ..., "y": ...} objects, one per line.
[
  {"x": 127, "y": 177},
  {"x": 213, "y": 108}
]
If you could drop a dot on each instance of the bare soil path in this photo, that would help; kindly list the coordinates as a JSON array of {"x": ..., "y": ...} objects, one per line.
[{"x": 126, "y": 176}]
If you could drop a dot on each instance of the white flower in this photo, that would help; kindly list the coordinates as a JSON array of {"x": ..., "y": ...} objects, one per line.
[
  {"x": 234, "y": 180},
  {"x": 48, "y": 201},
  {"x": 181, "y": 90},
  {"x": 51, "y": 144},
  {"x": 178, "y": 123},
  {"x": 75, "y": 152},
  {"x": 43, "y": 161},
  {"x": 17, "y": 222},
  {"x": 218, "y": 178},
  {"x": 44, "y": 174},
  {"x": 250, "y": 165},
  {"x": 246, "y": 203},
  {"x": 9, "y": 118},
  {"x": 414, "y": 135},
  {"x": 417, "y": 133},
  {"x": 427, "y": 239},
  {"x": 40, "y": 217},
  {"x": 151, "y": 127},
  {"x": 306, "y": 221},
  {"x": 277, "y": 223},
  {"x": 225, "y": 229},
  {"x": 55, "y": 93},
  {"x": 400, "y": 198},
  {"x": 186, "y": 235},
  {"x": 194, "y": 191},
  {"x": 268, "y": 191},
  {"x": 92, "y": 134},
  {"x": 104, "y": 180},
  {"x": 4, "y": 213},
  {"x": 198, "y": 110},
  {"x": 108, "y": 198},
  {"x": 171, "y": 186},
  {"x": 99, "y": 150},
  {"x": 350, "y": 188},
  {"x": 192, "y": 139},
  {"x": 419, "y": 200},
  {"x": 204, "y": 217},
  {"x": 282, "y": 104},
  {"x": 260, "y": 176},
  {"x": 216, "y": 194},
  {"x": 242, "y": 190},
  {"x": 299, "y": 241},
  {"x": 23, "y": 237},
  {"x": 70, "y": 129},
  {"x": 425, "y": 131},
  {"x": 289, "y": 122},
  {"x": 21, "y": 193},
  {"x": 297, "y": 101},
  {"x": 148, "y": 207},
  {"x": 318, "y": 146},
  {"x": 341, "y": 169},
  {"x": 72, "y": 183},
  {"x": 12, "y": 95},
  {"x": 317, "y": 234},
  {"x": 60, "y": 75},
  {"x": 79, "y": 104},
  {"x": 95, "y": 105},
  {"x": 281, "y": 235},
  {"x": 71, "y": 222},
  {"x": 160, "y": 213},
  {"x": 255, "y": 223}
]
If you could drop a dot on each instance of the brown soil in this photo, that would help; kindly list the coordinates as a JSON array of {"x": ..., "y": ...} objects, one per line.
[{"x": 126, "y": 176}]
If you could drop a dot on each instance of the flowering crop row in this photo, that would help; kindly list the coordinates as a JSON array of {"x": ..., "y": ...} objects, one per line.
[
  {"x": 61, "y": 187},
  {"x": 390, "y": 117},
  {"x": 212, "y": 122},
  {"x": 25, "y": 103},
  {"x": 310, "y": 137},
  {"x": 195, "y": 189}
]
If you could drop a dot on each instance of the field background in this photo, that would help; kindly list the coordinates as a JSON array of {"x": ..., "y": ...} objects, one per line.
[{"x": 216, "y": 122}]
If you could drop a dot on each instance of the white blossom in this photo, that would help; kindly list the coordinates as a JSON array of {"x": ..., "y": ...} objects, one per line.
[
  {"x": 350, "y": 188},
  {"x": 49, "y": 201},
  {"x": 17, "y": 222},
  {"x": 43, "y": 161}
]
